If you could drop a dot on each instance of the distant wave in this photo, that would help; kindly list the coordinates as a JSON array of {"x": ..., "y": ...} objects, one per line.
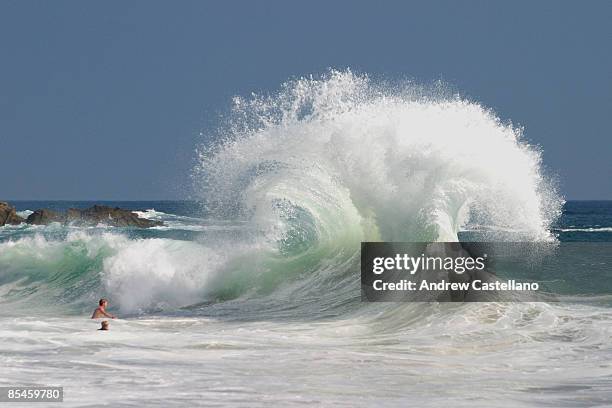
[
  {"x": 150, "y": 214},
  {"x": 589, "y": 229}
]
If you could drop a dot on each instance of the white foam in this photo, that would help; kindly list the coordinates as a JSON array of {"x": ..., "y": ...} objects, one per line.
[
  {"x": 158, "y": 273},
  {"x": 510, "y": 355},
  {"x": 25, "y": 213}
]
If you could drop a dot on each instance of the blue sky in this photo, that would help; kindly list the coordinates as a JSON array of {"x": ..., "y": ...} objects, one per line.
[{"x": 106, "y": 100}]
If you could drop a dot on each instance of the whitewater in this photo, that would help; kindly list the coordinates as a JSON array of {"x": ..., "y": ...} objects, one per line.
[{"x": 250, "y": 294}]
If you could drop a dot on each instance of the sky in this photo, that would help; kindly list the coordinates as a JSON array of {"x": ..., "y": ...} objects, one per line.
[{"x": 107, "y": 100}]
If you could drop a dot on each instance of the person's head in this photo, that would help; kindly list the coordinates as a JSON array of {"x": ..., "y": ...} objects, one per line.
[
  {"x": 105, "y": 325},
  {"x": 103, "y": 302}
]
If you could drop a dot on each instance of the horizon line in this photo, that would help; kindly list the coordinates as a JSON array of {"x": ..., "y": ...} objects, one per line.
[{"x": 191, "y": 199}]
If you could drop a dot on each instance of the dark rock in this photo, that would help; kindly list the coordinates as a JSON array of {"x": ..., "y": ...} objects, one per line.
[
  {"x": 44, "y": 217},
  {"x": 98, "y": 214},
  {"x": 73, "y": 215},
  {"x": 8, "y": 215},
  {"x": 101, "y": 214}
]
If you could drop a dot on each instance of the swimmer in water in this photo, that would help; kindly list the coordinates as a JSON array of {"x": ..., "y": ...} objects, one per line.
[
  {"x": 105, "y": 325},
  {"x": 101, "y": 310}
]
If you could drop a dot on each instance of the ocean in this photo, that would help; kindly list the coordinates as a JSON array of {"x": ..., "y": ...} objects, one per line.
[
  {"x": 249, "y": 295},
  {"x": 187, "y": 338}
]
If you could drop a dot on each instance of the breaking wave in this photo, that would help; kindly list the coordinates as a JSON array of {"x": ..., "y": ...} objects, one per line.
[{"x": 292, "y": 184}]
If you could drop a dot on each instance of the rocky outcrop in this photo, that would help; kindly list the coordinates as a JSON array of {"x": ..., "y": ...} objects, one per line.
[
  {"x": 101, "y": 214},
  {"x": 8, "y": 215},
  {"x": 98, "y": 214},
  {"x": 44, "y": 217}
]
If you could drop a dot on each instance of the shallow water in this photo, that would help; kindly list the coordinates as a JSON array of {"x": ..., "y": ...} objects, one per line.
[{"x": 478, "y": 354}]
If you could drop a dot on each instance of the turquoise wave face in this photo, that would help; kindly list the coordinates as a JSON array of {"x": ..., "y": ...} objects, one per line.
[
  {"x": 37, "y": 271},
  {"x": 65, "y": 270}
]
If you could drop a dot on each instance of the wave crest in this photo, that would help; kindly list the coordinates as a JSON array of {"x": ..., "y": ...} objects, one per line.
[{"x": 377, "y": 162}]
